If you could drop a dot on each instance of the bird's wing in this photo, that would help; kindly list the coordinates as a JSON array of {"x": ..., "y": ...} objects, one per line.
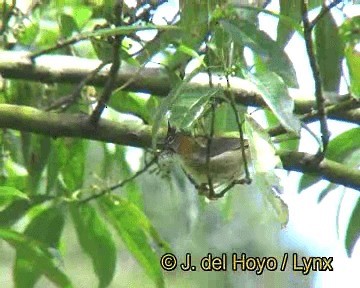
[{"x": 221, "y": 145}]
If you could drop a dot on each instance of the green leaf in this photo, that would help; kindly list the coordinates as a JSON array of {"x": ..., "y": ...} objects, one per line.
[
  {"x": 67, "y": 25},
  {"x": 37, "y": 255},
  {"x": 353, "y": 62},
  {"x": 351, "y": 37},
  {"x": 27, "y": 32},
  {"x": 193, "y": 14},
  {"x": 131, "y": 190},
  {"x": 73, "y": 169},
  {"x": 353, "y": 229},
  {"x": 57, "y": 159},
  {"x": 344, "y": 147},
  {"x": 46, "y": 227},
  {"x": 103, "y": 49},
  {"x": 9, "y": 194},
  {"x": 167, "y": 103},
  {"x": 151, "y": 106},
  {"x": 96, "y": 241},
  {"x": 14, "y": 175},
  {"x": 329, "y": 52},
  {"x": 226, "y": 119},
  {"x": 283, "y": 140},
  {"x": 36, "y": 150},
  {"x": 315, "y": 3},
  {"x": 289, "y": 19},
  {"x": 80, "y": 13},
  {"x": 188, "y": 51},
  {"x": 268, "y": 186},
  {"x": 290, "y": 9},
  {"x": 14, "y": 211},
  {"x": 130, "y": 103},
  {"x": 306, "y": 181},
  {"x": 247, "y": 34},
  {"x": 190, "y": 106},
  {"x": 349, "y": 30},
  {"x": 276, "y": 96},
  {"x": 135, "y": 230},
  {"x": 326, "y": 191},
  {"x": 263, "y": 152},
  {"x": 48, "y": 36},
  {"x": 265, "y": 161}
]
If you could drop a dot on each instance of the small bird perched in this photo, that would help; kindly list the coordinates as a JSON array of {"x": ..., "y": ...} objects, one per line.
[{"x": 226, "y": 163}]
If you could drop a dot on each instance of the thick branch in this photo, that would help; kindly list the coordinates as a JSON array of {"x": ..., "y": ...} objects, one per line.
[
  {"x": 328, "y": 170},
  {"x": 69, "y": 69},
  {"x": 53, "y": 124}
]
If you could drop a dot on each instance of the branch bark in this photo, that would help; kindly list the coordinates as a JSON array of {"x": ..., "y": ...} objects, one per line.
[
  {"x": 24, "y": 118},
  {"x": 69, "y": 69},
  {"x": 55, "y": 125}
]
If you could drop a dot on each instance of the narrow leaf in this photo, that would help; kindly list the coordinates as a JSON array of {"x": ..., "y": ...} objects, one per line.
[
  {"x": 57, "y": 159},
  {"x": 190, "y": 106},
  {"x": 329, "y": 52},
  {"x": 37, "y": 255},
  {"x": 8, "y": 194},
  {"x": 73, "y": 168},
  {"x": 135, "y": 229},
  {"x": 344, "y": 146},
  {"x": 96, "y": 241},
  {"x": 15, "y": 210},
  {"x": 265, "y": 161},
  {"x": 276, "y": 96},
  {"x": 130, "y": 103},
  {"x": 247, "y": 34},
  {"x": 353, "y": 229},
  {"x": 46, "y": 228},
  {"x": 306, "y": 181},
  {"x": 167, "y": 103},
  {"x": 291, "y": 9}
]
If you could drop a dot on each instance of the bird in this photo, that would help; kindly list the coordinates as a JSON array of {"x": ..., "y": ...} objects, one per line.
[{"x": 226, "y": 163}]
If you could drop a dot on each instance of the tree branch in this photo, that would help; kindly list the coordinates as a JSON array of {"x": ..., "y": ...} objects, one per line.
[
  {"x": 320, "y": 100},
  {"x": 110, "y": 83},
  {"x": 327, "y": 169},
  {"x": 346, "y": 109},
  {"x": 24, "y": 118},
  {"x": 69, "y": 69},
  {"x": 55, "y": 125}
]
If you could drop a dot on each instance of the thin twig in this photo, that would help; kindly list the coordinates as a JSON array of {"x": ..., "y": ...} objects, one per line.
[
  {"x": 118, "y": 31},
  {"x": 225, "y": 190},
  {"x": 347, "y": 105},
  {"x": 212, "y": 127},
  {"x": 320, "y": 100},
  {"x": 241, "y": 132},
  {"x": 69, "y": 99},
  {"x": 122, "y": 183},
  {"x": 156, "y": 38},
  {"x": 324, "y": 10},
  {"x": 110, "y": 83}
]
